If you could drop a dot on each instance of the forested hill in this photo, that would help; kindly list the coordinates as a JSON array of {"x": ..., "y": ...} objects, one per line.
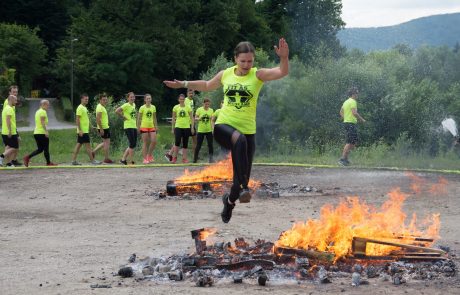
[{"x": 436, "y": 30}]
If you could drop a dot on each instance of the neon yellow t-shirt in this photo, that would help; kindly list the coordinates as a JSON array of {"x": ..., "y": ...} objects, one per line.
[
  {"x": 216, "y": 113},
  {"x": 147, "y": 116},
  {"x": 40, "y": 113},
  {"x": 8, "y": 111},
  {"x": 129, "y": 112},
  {"x": 347, "y": 107},
  {"x": 82, "y": 112},
  {"x": 204, "y": 121},
  {"x": 182, "y": 116},
  {"x": 6, "y": 103},
  {"x": 104, "y": 117},
  {"x": 189, "y": 102},
  {"x": 241, "y": 94}
]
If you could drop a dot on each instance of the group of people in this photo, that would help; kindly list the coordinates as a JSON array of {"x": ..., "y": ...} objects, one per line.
[{"x": 233, "y": 126}]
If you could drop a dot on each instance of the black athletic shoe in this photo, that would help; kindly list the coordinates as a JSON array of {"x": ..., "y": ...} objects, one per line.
[
  {"x": 123, "y": 162},
  {"x": 245, "y": 196},
  {"x": 343, "y": 162},
  {"x": 16, "y": 163},
  {"x": 227, "y": 211}
]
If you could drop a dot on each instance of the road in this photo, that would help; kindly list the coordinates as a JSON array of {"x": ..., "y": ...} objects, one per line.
[{"x": 53, "y": 123}]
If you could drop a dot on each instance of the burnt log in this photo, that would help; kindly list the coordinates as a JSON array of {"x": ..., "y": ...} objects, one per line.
[{"x": 312, "y": 254}]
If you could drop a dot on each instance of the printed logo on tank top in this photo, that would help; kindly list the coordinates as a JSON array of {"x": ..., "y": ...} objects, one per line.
[
  {"x": 133, "y": 114},
  {"x": 149, "y": 114},
  {"x": 238, "y": 95}
]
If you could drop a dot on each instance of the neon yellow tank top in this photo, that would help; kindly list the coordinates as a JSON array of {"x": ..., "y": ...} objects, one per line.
[{"x": 241, "y": 94}]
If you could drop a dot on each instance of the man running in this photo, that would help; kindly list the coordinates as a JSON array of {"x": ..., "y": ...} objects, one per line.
[
  {"x": 350, "y": 115},
  {"x": 9, "y": 134},
  {"x": 82, "y": 122},
  {"x": 41, "y": 134},
  {"x": 103, "y": 128}
]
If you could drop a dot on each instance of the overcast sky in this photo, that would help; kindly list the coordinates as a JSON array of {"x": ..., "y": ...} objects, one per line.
[{"x": 377, "y": 13}]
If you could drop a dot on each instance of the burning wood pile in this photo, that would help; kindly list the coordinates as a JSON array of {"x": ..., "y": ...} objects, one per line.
[{"x": 353, "y": 241}]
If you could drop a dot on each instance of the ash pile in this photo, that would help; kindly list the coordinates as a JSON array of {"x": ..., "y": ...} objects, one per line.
[
  {"x": 215, "y": 189},
  {"x": 266, "y": 263}
]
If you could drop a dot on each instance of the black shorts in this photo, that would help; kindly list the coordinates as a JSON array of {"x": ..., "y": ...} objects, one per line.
[
  {"x": 131, "y": 133},
  {"x": 181, "y": 135},
  {"x": 106, "y": 133},
  {"x": 352, "y": 133},
  {"x": 12, "y": 141},
  {"x": 83, "y": 139}
]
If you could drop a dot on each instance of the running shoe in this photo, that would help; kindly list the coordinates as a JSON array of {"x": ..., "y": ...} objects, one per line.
[
  {"x": 16, "y": 163},
  {"x": 343, "y": 162},
  {"x": 51, "y": 164},
  {"x": 146, "y": 161},
  {"x": 245, "y": 196},
  {"x": 10, "y": 165},
  {"x": 123, "y": 162},
  {"x": 75, "y": 163},
  {"x": 150, "y": 158},
  {"x": 227, "y": 210},
  {"x": 26, "y": 160},
  {"x": 168, "y": 157},
  {"x": 174, "y": 160},
  {"x": 185, "y": 161},
  {"x": 108, "y": 161},
  {"x": 95, "y": 162}
]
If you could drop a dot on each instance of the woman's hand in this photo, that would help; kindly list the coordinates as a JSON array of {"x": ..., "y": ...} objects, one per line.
[
  {"x": 174, "y": 84},
  {"x": 282, "y": 50}
]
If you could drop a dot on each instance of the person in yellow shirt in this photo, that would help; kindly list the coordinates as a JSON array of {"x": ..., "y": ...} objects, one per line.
[
  {"x": 236, "y": 124},
  {"x": 191, "y": 103},
  {"x": 128, "y": 113},
  {"x": 148, "y": 127},
  {"x": 203, "y": 116},
  {"x": 181, "y": 125},
  {"x": 103, "y": 128},
  {"x": 41, "y": 134},
  {"x": 350, "y": 115},
  {"x": 82, "y": 122},
  {"x": 9, "y": 134},
  {"x": 14, "y": 90}
]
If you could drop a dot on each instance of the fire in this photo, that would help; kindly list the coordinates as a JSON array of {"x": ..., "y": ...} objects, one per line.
[
  {"x": 336, "y": 227},
  {"x": 206, "y": 232},
  {"x": 221, "y": 171}
]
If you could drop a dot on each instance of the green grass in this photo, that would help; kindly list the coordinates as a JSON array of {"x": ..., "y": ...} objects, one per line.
[{"x": 22, "y": 114}]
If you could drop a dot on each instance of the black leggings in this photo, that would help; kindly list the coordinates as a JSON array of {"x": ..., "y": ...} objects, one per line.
[
  {"x": 181, "y": 134},
  {"x": 200, "y": 139},
  {"x": 43, "y": 144},
  {"x": 243, "y": 147}
]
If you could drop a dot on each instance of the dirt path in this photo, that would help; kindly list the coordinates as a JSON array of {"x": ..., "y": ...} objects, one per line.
[{"x": 65, "y": 229}]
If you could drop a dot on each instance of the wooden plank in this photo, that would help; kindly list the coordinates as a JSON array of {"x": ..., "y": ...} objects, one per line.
[{"x": 359, "y": 242}]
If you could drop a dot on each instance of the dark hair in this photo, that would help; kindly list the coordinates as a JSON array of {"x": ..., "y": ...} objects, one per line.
[
  {"x": 353, "y": 90},
  {"x": 13, "y": 86},
  {"x": 83, "y": 95},
  {"x": 244, "y": 47},
  {"x": 102, "y": 95},
  {"x": 181, "y": 95},
  {"x": 206, "y": 100}
]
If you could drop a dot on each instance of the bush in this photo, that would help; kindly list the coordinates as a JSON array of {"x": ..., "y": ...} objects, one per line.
[{"x": 67, "y": 108}]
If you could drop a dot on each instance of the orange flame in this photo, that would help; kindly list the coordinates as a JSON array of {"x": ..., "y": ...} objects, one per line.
[
  {"x": 220, "y": 171},
  {"x": 208, "y": 231},
  {"x": 336, "y": 227}
]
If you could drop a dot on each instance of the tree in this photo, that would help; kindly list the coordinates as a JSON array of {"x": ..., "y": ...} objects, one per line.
[{"x": 22, "y": 50}]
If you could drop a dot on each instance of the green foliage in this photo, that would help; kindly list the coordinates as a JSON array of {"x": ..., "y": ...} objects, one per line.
[
  {"x": 24, "y": 51},
  {"x": 6, "y": 79},
  {"x": 67, "y": 109}
]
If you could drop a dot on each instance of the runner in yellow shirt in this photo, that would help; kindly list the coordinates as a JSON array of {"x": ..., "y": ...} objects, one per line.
[
  {"x": 82, "y": 122},
  {"x": 9, "y": 134},
  {"x": 350, "y": 115},
  {"x": 148, "y": 127},
  {"x": 236, "y": 125},
  {"x": 103, "y": 128},
  {"x": 128, "y": 113},
  {"x": 41, "y": 134},
  {"x": 203, "y": 116},
  {"x": 182, "y": 123}
]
